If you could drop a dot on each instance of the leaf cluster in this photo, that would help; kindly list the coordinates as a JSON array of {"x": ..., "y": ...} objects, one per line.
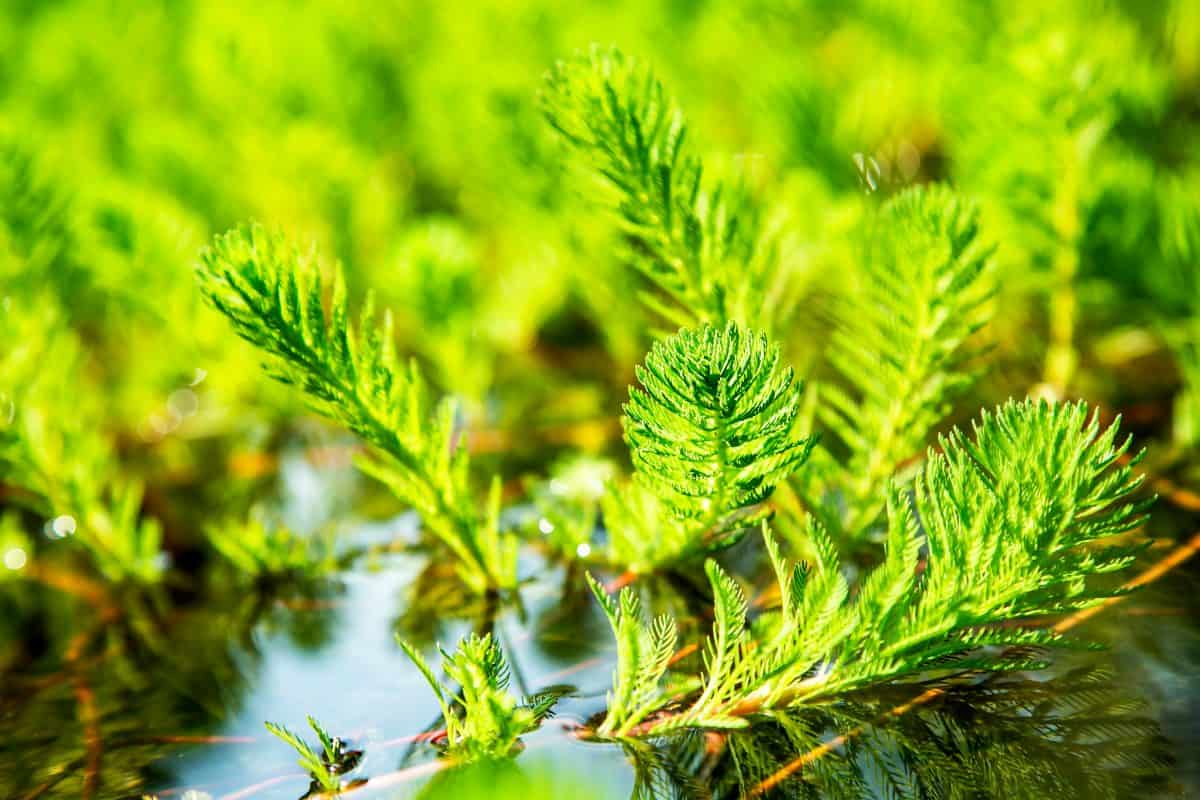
[
  {"x": 902, "y": 348},
  {"x": 1010, "y": 516},
  {"x": 51, "y": 448},
  {"x": 710, "y": 433},
  {"x": 262, "y": 551},
  {"x": 326, "y": 767},
  {"x": 483, "y": 720},
  {"x": 705, "y": 244},
  {"x": 274, "y": 295}
]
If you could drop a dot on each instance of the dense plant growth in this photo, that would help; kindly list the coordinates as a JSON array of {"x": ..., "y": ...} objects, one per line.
[{"x": 820, "y": 392}]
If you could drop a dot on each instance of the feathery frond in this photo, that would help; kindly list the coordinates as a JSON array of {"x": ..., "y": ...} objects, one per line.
[
  {"x": 703, "y": 243},
  {"x": 51, "y": 446},
  {"x": 326, "y": 767},
  {"x": 644, "y": 651},
  {"x": 262, "y": 551},
  {"x": 274, "y": 296},
  {"x": 711, "y": 434},
  {"x": 483, "y": 719},
  {"x": 1014, "y": 520},
  {"x": 903, "y": 345}
]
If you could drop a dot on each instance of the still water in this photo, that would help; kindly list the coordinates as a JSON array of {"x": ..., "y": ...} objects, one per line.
[{"x": 168, "y": 694}]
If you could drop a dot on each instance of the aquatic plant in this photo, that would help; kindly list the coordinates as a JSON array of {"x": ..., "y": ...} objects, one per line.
[
  {"x": 326, "y": 767},
  {"x": 637, "y": 307},
  {"x": 259, "y": 550},
  {"x": 483, "y": 720},
  {"x": 710, "y": 434},
  {"x": 705, "y": 244},
  {"x": 1010, "y": 520},
  {"x": 274, "y": 295}
]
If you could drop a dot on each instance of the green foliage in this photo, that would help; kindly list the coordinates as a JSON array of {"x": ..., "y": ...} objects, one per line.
[
  {"x": 1075, "y": 734},
  {"x": 503, "y": 780},
  {"x": 483, "y": 720},
  {"x": 415, "y": 154},
  {"x": 15, "y": 548},
  {"x": 710, "y": 433},
  {"x": 261, "y": 551},
  {"x": 326, "y": 767},
  {"x": 1011, "y": 519},
  {"x": 35, "y": 224},
  {"x": 901, "y": 347},
  {"x": 50, "y": 447},
  {"x": 568, "y": 505},
  {"x": 704, "y": 243},
  {"x": 274, "y": 294},
  {"x": 644, "y": 651}
]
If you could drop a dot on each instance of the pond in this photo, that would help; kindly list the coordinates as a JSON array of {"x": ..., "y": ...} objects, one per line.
[{"x": 171, "y": 698}]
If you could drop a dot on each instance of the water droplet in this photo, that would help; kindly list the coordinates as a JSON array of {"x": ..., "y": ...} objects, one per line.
[
  {"x": 15, "y": 558},
  {"x": 545, "y": 526},
  {"x": 868, "y": 171},
  {"x": 583, "y": 550},
  {"x": 198, "y": 376},
  {"x": 62, "y": 526},
  {"x": 160, "y": 426}
]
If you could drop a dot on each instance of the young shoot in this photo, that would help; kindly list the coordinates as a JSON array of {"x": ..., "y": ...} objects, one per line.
[
  {"x": 327, "y": 767},
  {"x": 710, "y": 432},
  {"x": 484, "y": 721},
  {"x": 703, "y": 243}
]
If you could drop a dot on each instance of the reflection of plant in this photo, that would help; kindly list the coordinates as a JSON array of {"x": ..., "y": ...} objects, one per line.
[
  {"x": 1075, "y": 735},
  {"x": 710, "y": 434},
  {"x": 274, "y": 296},
  {"x": 327, "y": 767},
  {"x": 1010, "y": 517},
  {"x": 483, "y": 720}
]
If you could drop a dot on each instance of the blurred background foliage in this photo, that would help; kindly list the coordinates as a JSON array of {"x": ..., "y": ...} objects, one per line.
[{"x": 405, "y": 140}]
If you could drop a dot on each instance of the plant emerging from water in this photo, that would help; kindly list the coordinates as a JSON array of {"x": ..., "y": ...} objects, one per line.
[
  {"x": 484, "y": 721},
  {"x": 710, "y": 432},
  {"x": 1015, "y": 520},
  {"x": 326, "y": 767},
  {"x": 275, "y": 296},
  {"x": 888, "y": 302}
]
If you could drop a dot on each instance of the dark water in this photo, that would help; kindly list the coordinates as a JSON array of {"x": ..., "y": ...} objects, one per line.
[{"x": 169, "y": 694}]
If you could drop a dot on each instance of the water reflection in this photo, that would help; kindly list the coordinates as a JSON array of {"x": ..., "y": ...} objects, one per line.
[
  {"x": 119, "y": 695},
  {"x": 1075, "y": 735}
]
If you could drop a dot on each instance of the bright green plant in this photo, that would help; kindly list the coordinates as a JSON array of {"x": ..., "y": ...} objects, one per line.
[
  {"x": 262, "y": 551},
  {"x": 704, "y": 243},
  {"x": 326, "y": 767},
  {"x": 483, "y": 719},
  {"x": 568, "y": 506},
  {"x": 644, "y": 652},
  {"x": 1011, "y": 518},
  {"x": 902, "y": 346},
  {"x": 274, "y": 295},
  {"x": 51, "y": 448},
  {"x": 710, "y": 432}
]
